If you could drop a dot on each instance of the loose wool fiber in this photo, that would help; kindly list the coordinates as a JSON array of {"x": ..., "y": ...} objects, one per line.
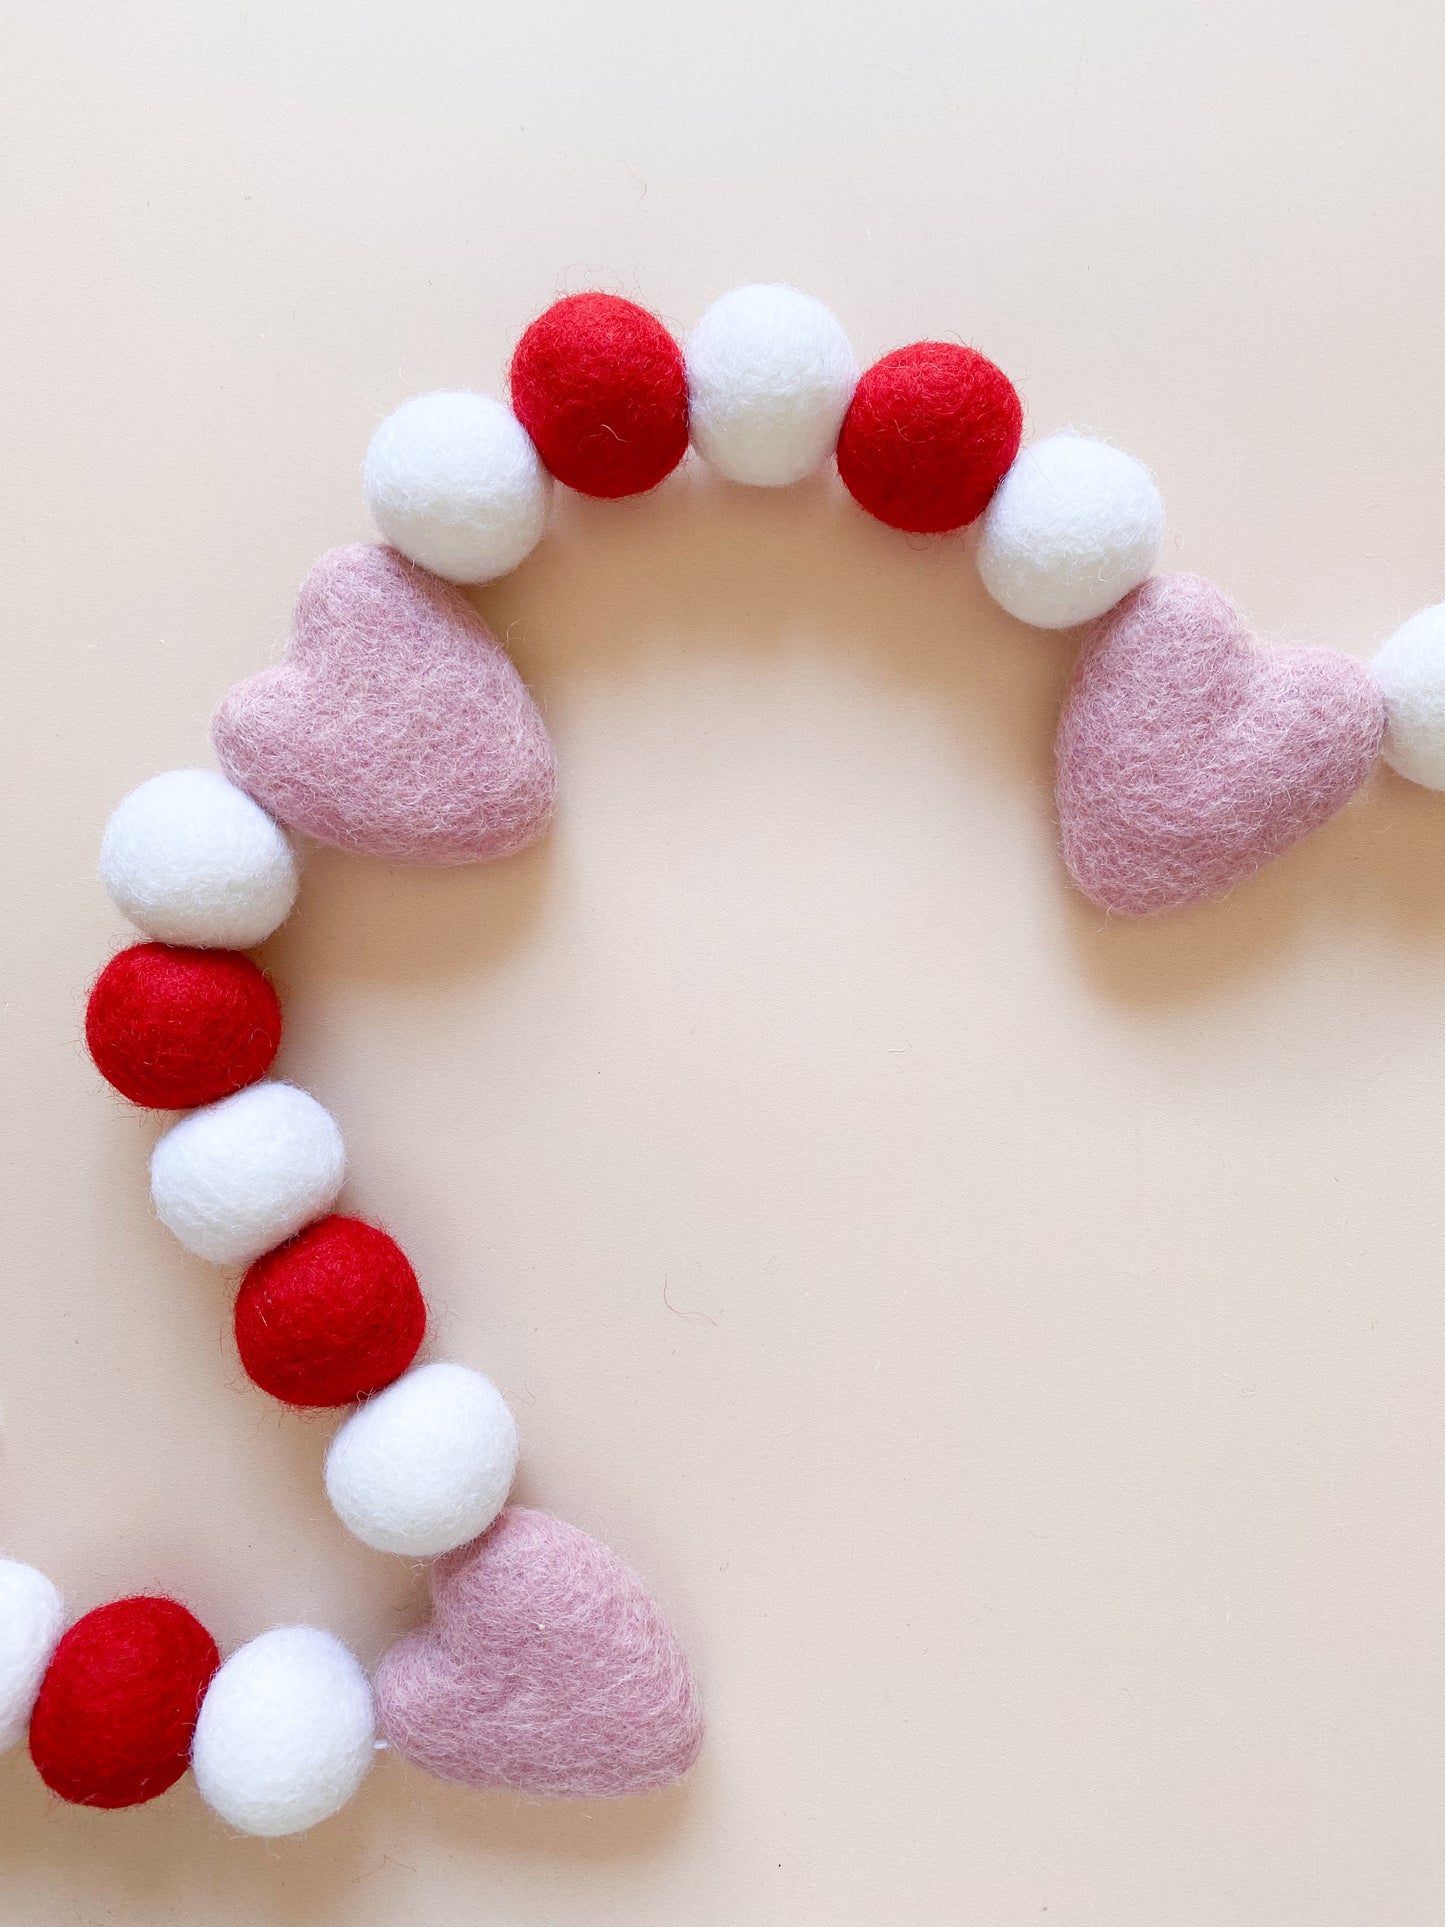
[
  {"x": 1409, "y": 671},
  {"x": 286, "y": 1732},
  {"x": 32, "y": 1618},
  {"x": 173, "y": 1028},
  {"x": 190, "y": 859},
  {"x": 425, "y": 1465},
  {"x": 240, "y": 1176},
  {"x": 331, "y": 1316},
  {"x": 396, "y": 725},
  {"x": 770, "y": 373},
  {"x": 453, "y": 481},
  {"x": 600, "y": 386},
  {"x": 547, "y": 1668},
  {"x": 1188, "y": 755},
  {"x": 928, "y": 436},
  {"x": 113, "y": 1720},
  {"x": 1074, "y": 526}
]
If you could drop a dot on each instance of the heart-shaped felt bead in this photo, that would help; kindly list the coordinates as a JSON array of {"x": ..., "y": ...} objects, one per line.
[
  {"x": 396, "y": 724},
  {"x": 1188, "y": 755},
  {"x": 547, "y": 1668}
]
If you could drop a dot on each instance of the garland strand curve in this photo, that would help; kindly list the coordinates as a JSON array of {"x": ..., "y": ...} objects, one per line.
[{"x": 1187, "y": 755}]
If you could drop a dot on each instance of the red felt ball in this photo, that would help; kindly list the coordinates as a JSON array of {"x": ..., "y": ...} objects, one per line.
[
  {"x": 331, "y": 1316},
  {"x": 113, "y": 1721},
  {"x": 173, "y": 1028},
  {"x": 929, "y": 435},
  {"x": 601, "y": 387}
]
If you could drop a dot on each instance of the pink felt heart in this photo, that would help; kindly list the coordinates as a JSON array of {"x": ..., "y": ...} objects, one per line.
[
  {"x": 547, "y": 1668},
  {"x": 1188, "y": 755},
  {"x": 395, "y": 725}
]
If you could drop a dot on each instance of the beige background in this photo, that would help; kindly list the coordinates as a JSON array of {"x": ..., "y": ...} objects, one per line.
[{"x": 1010, "y": 1341}]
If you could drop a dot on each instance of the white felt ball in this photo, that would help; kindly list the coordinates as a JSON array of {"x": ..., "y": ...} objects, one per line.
[
  {"x": 191, "y": 859},
  {"x": 770, "y": 374},
  {"x": 32, "y": 1618},
  {"x": 1410, "y": 672},
  {"x": 425, "y": 1465},
  {"x": 286, "y": 1732},
  {"x": 453, "y": 481},
  {"x": 240, "y": 1176},
  {"x": 1073, "y": 527}
]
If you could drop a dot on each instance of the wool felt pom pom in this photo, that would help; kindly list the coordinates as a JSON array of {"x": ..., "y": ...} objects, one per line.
[
  {"x": 453, "y": 481},
  {"x": 426, "y": 1464},
  {"x": 396, "y": 725},
  {"x": 1074, "y": 526},
  {"x": 1188, "y": 755},
  {"x": 547, "y": 1668},
  {"x": 599, "y": 384},
  {"x": 770, "y": 374},
  {"x": 286, "y": 1732},
  {"x": 174, "y": 1028},
  {"x": 242, "y": 1175},
  {"x": 32, "y": 1618},
  {"x": 928, "y": 436},
  {"x": 190, "y": 859},
  {"x": 331, "y": 1316},
  {"x": 113, "y": 1721},
  {"x": 1409, "y": 671}
]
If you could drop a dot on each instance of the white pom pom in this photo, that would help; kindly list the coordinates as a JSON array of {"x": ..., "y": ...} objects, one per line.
[
  {"x": 286, "y": 1732},
  {"x": 770, "y": 374},
  {"x": 189, "y": 858},
  {"x": 453, "y": 481},
  {"x": 1410, "y": 672},
  {"x": 427, "y": 1464},
  {"x": 240, "y": 1176},
  {"x": 32, "y": 1618},
  {"x": 1073, "y": 527}
]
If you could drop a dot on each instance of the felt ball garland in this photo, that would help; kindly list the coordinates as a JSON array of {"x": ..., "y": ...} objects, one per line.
[{"x": 1187, "y": 755}]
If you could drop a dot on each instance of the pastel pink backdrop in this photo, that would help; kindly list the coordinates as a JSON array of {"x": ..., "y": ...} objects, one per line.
[{"x": 1009, "y": 1340}]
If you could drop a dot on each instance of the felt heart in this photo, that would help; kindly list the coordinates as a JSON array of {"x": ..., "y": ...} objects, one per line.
[
  {"x": 1188, "y": 755},
  {"x": 396, "y": 724},
  {"x": 547, "y": 1668}
]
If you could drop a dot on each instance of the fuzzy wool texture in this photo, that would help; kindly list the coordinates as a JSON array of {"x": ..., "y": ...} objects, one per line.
[
  {"x": 425, "y": 1465},
  {"x": 547, "y": 1668},
  {"x": 1409, "y": 671},
  {"x": 173, "y": 1028},
  {"x": 240, "y": 1176},
  {"x": 600, "y": 386},
  {"x": 928, "y": 436},
  {"x": 453, "y": 481},
  {"x": 1188, "y": 755},
  {"x": 116, "y": 1710},
  {"x": 189, "y": 858},
  {"x": 331, "y": 1316},
  {"x": 396, "y": 724},
  {"x": 1073, "y": 527},
  {"x": 286, "y": 1732},
  {"x": 770, "y": 374},
  {"x": 32, "y": 1618}
]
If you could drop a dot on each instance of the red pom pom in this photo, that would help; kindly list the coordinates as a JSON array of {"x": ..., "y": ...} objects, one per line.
[
  {"x": 174, "y": 1028},
  {"x": 600, "y": 386},
  {"x": 331, "y": 1316},
  {"x": 928, "y": 437},
  {"x": 113, "y": 1722}
]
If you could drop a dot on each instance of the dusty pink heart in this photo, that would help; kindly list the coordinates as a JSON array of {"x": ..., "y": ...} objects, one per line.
[
  {"x": 1188, "y": 755},
  {"x": 395, "y": 725},
  {"x": 547, "y": 1668}
]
